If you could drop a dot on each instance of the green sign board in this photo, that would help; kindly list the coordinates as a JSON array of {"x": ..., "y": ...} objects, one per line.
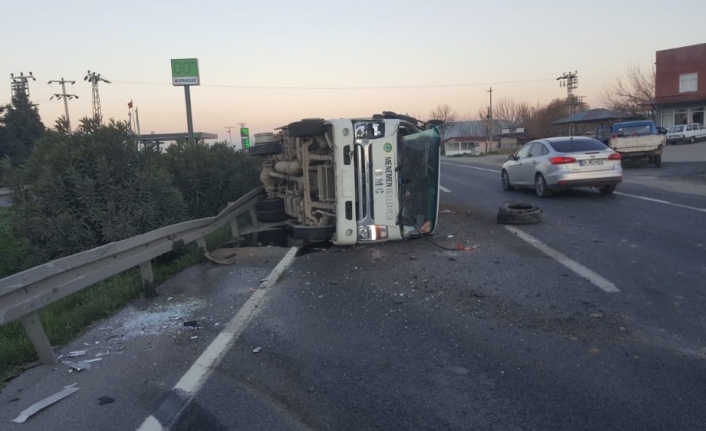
[
  {"x": 245, "y": 137},
  {"x": 185, "y": 71}
]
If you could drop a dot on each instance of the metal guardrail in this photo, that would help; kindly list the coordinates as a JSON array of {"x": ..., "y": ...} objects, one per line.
[{"x": 24, "y": 293}]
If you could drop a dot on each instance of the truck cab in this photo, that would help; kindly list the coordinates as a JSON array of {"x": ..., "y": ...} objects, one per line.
[{"x": 354, "y": 180}]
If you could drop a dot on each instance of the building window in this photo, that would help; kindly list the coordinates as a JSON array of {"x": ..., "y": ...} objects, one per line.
[
  {"x": 688, "y": 82},
  {"x": 667, "y": 118},
  {"x": 681, "y": 116}
]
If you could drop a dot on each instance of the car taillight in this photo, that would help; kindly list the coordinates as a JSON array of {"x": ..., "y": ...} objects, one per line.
[
  {"x": 561, "y": 160},
  {"x": 614, "y": 156}
]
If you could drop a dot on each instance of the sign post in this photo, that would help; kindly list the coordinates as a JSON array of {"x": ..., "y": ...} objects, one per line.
[{"x": 185, "y": 72}]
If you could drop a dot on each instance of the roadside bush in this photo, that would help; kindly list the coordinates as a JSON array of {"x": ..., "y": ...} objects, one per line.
[
  {"x": 92, "y": 187},
  {"x": 209, "y": 176},
  {"x": 12, "y": 249}
]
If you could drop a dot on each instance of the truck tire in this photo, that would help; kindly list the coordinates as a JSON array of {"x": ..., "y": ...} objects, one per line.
[
  {"x": 519, "y": 213},
  {"x": 270, "y": 204},
  {"x": 658, "y": 160},
  {"x": 313, "y": 233},
  {"x": 265, "y": 149},
  {"x": 307, "y": 128},
  {"x": 271, "y": 215}
]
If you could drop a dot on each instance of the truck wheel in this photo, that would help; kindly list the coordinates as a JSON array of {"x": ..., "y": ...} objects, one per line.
[
  {"x": 272, "y": 215},
  {"x": 307, "y": 128},
  {"x": 606, "y": 190},
  {"x": 505, "y": 178},
  {"x": 540, "y": 187},
  {"x": 270, "y": 204},
  {"x": 313, "y": 233},
  {"x": 658, "y": 161},
  {"x": 265, "y": 149},
  {"x": 519, "y": 213}
]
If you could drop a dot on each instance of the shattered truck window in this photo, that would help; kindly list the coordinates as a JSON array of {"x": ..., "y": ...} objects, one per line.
[{"x": 419, "y": 182}]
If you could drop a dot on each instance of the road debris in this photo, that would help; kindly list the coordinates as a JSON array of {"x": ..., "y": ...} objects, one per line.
[
  {"x": 105, "y": 400},
  {"x": 81, "y": 365},
  {"x": 222, "y": 256},
  {"x": 76, "y": 353},
  {"x": 46, "y": 402},
  {"x": 446, "y": 212},
  {"x": 256, "y": 349},
  {"x": 193, "y": 324},
  {"x": 464, "y": 247}
]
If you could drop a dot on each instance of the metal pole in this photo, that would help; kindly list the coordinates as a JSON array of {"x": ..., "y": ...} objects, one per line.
[
  {"x": 66, "y": 103},
  {"x": 189, "y": 122}
]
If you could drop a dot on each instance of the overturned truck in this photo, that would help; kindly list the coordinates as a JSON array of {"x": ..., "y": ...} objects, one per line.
[{"x": 351, "y": 181}]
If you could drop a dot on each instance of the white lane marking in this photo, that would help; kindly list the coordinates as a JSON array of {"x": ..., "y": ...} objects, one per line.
[
  {"x": 199, "y": 372},
  {"x": 470, "y": 167},
  {"x": 444, "y": 189},
  {"x": 659, "y": 201},
  {"x": 579, "y": 269}
]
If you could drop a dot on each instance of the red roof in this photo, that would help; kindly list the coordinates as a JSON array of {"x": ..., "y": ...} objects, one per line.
[
  {"x": 468, "y": 138},
  {"x": 677, "y": 98}
]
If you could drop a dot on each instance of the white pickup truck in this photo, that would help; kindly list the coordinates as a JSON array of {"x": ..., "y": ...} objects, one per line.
[{"x": 686, "y": 133}]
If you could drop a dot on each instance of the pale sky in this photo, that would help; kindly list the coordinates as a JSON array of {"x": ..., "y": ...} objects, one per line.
[{"x": 268, "y": 63}]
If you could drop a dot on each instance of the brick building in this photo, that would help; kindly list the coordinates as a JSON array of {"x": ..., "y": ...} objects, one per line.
[{"x": 680, "y": 89}]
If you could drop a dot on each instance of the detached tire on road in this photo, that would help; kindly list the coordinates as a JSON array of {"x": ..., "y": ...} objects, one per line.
[
  {"x": 265, "y": 149},
  {"x": 307, "y": 128},
  {"x": 519, "y": 213}
]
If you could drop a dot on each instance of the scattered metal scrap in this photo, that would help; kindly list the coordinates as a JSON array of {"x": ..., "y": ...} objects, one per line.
[
  {"x": 223, "y": 256},
  {"x": 46, "y": 402}
]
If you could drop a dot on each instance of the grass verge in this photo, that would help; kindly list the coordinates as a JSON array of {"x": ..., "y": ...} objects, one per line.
[{"x": 68, "y": 317}]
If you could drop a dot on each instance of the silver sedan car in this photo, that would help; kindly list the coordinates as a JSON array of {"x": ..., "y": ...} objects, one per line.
[{"x": 563, "y": 163}]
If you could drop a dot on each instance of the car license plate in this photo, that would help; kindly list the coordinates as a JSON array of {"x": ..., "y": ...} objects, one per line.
[{"x": 591, "y": 162}]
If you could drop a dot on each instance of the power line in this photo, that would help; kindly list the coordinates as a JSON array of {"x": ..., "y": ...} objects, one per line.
[
  {"x": 388, "y": 87},
  {"x": 64, "y": 96}
]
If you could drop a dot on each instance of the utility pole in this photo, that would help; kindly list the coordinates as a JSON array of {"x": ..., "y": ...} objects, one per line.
[
  {"x": 490, "y": 119},
  {"x": 20, "y": 85},
  {"x": 64, "y": 96},
  {"x": 230, "y": 137},
  {"x": 570, "y": 80},
  {"x": 94, "y": 78}
]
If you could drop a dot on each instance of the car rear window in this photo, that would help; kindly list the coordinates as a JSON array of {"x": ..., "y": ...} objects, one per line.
[{"x": 575, "y": 145}]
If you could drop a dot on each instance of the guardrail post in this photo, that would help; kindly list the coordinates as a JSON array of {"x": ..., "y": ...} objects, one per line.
[
  {"x": 148, "y": 279},
  {"x": 235, "y": 233},
  {"x": 39, "y": 339},
  {"x": 255, "y": 223},
  {"x": 201, "y": 243}
]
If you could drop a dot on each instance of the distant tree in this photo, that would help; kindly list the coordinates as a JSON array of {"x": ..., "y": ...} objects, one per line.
[
  {"x": 20, "y": 127},
  {"x": 629, "y": 91},
  {"x": 443, "y": 112},
  {"x": 509, "y": 112}
]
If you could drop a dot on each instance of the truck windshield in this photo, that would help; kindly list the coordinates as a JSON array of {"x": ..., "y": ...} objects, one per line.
[{"x": 419, "y": 182}]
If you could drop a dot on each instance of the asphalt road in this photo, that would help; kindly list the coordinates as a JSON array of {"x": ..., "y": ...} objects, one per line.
[{"x": 416, "y": 335}]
